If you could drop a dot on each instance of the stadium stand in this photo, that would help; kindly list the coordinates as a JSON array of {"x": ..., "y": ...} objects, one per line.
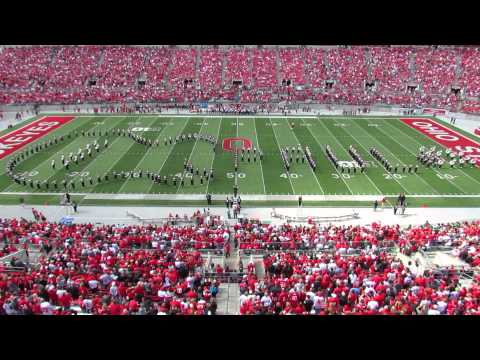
[
  {"x": 86, "y": 74},
  {"x": 179, "y": 265},
  {"x": 308, "y": 269},
  {"x": 368, "y": 284},
  {"x": 109, "y": 270}
]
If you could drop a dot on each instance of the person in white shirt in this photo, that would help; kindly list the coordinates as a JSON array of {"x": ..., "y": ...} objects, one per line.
[
  {"x": 87, "y": 305},
  {"x": 106, "y": 279},
  {"x": 93, "y": 284},
  {"x": 441, "y": 306},
  {"x": 433, "y": 311},
  {"x": 266, "y": 300},
  {"x": 372, "y": 305},
  {"x": 242, "y": 299},
  {"x": 8, "y": 308},
  {"x": 113, "y": 289},
  {"x": 47, "y": 308}
]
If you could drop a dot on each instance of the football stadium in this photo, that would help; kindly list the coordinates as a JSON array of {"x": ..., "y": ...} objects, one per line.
[{"x": 239, "y": 180}]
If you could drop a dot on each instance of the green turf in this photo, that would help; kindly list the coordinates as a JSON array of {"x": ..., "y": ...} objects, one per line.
[{"x": 398, "y": 142}]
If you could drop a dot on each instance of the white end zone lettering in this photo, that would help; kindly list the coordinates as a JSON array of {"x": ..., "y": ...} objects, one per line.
[
  {"x": 445, "y": 136},
  {"x": 16, "y": 139}
]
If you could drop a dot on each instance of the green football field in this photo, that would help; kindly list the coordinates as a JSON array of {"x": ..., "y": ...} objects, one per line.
[{"x": 398, "y": 142}]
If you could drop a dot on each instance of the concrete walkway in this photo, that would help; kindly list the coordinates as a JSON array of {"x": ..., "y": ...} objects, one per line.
[{"x": 118, "y": 215}]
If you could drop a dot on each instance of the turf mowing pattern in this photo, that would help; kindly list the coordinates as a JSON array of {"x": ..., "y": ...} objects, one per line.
[{"x": 394, "y": 139}]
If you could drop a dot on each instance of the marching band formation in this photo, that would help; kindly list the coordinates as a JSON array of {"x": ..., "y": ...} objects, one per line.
[
  {"x": 433, "y": 158},
  {"x": 357, "y": 158},
  {"x": 393, "y": 169},
  {"x": 429, "y": 157},
  {"x": 250, "y": 154},
  {"x": 288, "y": 153},
  {"x": 91, "y": 149}
]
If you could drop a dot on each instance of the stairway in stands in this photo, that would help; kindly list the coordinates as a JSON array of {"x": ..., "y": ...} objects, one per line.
[
  {"x": 224, "y": 65},
  {"x": 458, "y": 67}
]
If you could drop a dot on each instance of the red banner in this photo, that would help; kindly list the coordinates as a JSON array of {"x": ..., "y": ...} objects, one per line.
[
  {"x": 445, "y": 136},
  {"x": 17, "y": 139}
]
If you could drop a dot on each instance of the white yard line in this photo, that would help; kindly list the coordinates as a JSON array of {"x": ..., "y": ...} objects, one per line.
[
  {"x": 321, "y": 148},
  {"x": 214, "y": 154},
  {"x": 278, "y": 146},
  {"x": 346, "y": 151},
  {"x": 116, "y": 162},
  {"x": 381, "y": 166},
  {"x": 236, "y": 172},
  {"x": 308, "y": 165},
  {"x": 169, "y": 152},
  {"x": 260, "y": 161},
  {"x": 146, "y": 152},
  {"x": 191, "y": 152},
  {"x": 402, "y": 162}
]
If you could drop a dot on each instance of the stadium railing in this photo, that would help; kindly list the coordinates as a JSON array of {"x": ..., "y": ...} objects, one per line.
[
  {"x": 229, "y": 277},
  {"x": 168, "y": 220},
  {"x": 388, "y": 246},
  {"x": 288, "y": 218},
  {"x": 19, "y": 255}
]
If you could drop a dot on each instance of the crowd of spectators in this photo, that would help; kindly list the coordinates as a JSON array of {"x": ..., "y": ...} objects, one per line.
[
  {"x": 337, "y": 238},
  {"x": 365, "y": 284},
  {"x": 462, "y": 238},
  {"x": 390, "y": 68},
  {"x": 316, "y": 70},
  {"x": 470, "y": 71},
  {"x": 340, "y": 75},
  {"x": 292, "y": 65},
  {"x": 309, "y": 269},
  {"x": 112, "y": 270},
  {"x": 435, "y": 69}
]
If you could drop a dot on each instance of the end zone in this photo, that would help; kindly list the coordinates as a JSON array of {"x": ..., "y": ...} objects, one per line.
[
  {"x": 445, "y": 136},
  {"x": 15, "y": 140}
]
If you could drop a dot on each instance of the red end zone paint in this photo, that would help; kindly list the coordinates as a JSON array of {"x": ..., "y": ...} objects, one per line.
[
  {"x": 228, "y": 143},
  {"x": 445, "y": 136},
  {"x": 17, "y": 139}
]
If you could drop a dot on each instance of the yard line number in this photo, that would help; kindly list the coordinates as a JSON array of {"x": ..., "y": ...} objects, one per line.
[
  {"x": 29, "y": 173},
  {"x": 292, "y": 175},
  {"x": 81, "y": 174},
  {"x": 394, "y": 176},
  {"x": 342, "y": 176},
  {"x": 446, "y": 176},
  {"x": 232, "y": 175}
]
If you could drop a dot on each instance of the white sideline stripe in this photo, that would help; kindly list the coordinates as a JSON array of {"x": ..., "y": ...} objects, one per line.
[
  {"x": 253, "y": 197},
  {"x": 198, "y": 115}
]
